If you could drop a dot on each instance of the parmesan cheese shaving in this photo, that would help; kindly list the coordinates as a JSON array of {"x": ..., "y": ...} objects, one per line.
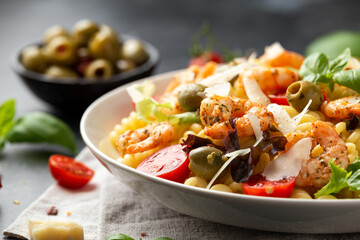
[
  {"x": 253, "y": 91},
  {"x": 284, "y": 122},
  {"x": 139, "y": 91},
  {"x": 274, "y": 50},
  {"x": 298, "y": 117},
  {"x": 232, "y": 156},
  {"x": 289, "y": 163},
  {"x": 186, "y": 76},
  {"x": 222, "y": 90},
  {"x": 135, "y": 95},
  {"x": 226, "y": 75}
]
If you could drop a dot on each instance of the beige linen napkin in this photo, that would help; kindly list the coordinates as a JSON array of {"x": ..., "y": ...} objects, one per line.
[{"x": 106, "y": 206}]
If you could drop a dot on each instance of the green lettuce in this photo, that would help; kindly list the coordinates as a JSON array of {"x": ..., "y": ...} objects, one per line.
[
  {"x": 149, "y": 110},
  {"x": 342, "y": 178}
]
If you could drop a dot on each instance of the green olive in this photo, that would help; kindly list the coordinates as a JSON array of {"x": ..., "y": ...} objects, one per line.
[
  {"x": 60, "y": 50},
  {"x": 298, "y": 94},
  {"x": 83, "y": 31},
  {"x": 33, "y": 59},
  {"x": 54, "y": 31},
  {"x": 55, "y": 71},
  {"x": 99, "y": 69},
  {"x": 125, "y": 65},
  {"x": 189, "y": 98},
  {"x": 134, "y": 50},
  {"x": 105, "y": 44},
  {"x": 206, "y": 161}
]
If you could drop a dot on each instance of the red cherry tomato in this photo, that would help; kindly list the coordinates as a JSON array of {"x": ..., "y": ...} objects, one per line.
[
  {"x": 199, "y": 61},
  {"x": 170, "y": 163},
  {"x": 69, "y": 173},
  {"x": 205, "y": 57},
  {"x": 278, "y": 99},
  {"x": 258, "y": 186},
  {"x": 215, "y": 57}
]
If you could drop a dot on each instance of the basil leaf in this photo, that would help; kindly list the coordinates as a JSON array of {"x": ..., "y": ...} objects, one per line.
[
  {"x": 317, "y": 78},
  {"x": 339, "y": 63},
  {"x": 354, "y": 181},
  {"x": 40, "y": 127},
  {"x": 162, "y": 238},
  {"x": 148, "y": 110},
  {"x": 350, "y": 79},
  {"x": 316, "y": 63},
  {"x": 337, "y": 181},
  {"x": 119, "y": 236},
  {"x": 7, "y": 113}
]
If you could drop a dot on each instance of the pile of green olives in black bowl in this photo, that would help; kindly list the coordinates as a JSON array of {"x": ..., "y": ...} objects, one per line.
[{"x": 69, "y": 70}]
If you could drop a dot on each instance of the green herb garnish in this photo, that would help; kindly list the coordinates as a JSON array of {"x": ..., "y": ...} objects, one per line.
[
  {"x": 317, "y": 68},
  {"x": 36, "y": 127}
]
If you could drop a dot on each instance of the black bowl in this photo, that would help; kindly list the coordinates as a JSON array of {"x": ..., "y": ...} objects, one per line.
[{"x": 74, "y": 95}]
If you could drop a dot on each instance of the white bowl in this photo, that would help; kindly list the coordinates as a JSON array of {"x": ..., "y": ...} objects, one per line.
[{"x": 271, "y": 214}]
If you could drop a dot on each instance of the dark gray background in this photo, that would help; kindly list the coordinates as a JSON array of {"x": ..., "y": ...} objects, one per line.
[{"x": 166, "y": 24}]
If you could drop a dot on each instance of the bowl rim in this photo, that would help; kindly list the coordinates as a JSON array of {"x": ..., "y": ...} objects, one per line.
[
  {"x": 182, "y": 187},
  {"x": 152, "y": 62}
]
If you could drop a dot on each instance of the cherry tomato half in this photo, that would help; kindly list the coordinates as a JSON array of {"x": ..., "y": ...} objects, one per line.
[
  {"x": 170, "y": 163},
  {"x": 198, "y": 61},
  {"x": 278, "y": 99},
  {"x": 258, "y": 186},
  {"x": 69, "y": 173},
  {"x": 205, "y": 57}
]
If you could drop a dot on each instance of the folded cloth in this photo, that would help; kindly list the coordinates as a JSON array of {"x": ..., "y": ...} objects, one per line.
[{"x": 105, "y": 207}]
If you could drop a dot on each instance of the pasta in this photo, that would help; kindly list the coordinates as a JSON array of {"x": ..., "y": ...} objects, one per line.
[{"x": 225, "y": 112}]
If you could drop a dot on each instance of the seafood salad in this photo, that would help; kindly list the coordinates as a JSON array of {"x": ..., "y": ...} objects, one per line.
[{"x": 278, "y": 125}]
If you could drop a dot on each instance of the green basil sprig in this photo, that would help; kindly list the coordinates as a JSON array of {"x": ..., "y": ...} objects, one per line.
[
  {"x": 36, "y": 127},
  {"x": 317, "y": 68},
  {"x": 341, "y": 178}
]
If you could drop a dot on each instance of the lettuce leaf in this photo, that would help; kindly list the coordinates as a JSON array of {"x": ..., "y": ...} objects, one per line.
[
  {"x": 149, "y": 110},
  {"x": 342, "y": 178},
  {"x": 338, "y": 181}
]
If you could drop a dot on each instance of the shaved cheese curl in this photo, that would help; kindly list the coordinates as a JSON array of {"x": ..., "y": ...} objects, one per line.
[
  {"x": 253, "y": 91},
  {"x": 289, "y": 163},
  {"x": 284, "y": 122}
]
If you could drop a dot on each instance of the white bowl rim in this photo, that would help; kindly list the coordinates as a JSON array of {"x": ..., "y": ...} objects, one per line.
[{"x": 234, "y": 196}]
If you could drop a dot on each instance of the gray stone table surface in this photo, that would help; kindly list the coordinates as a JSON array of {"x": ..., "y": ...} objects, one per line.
[{"x": 169, "y": 26}]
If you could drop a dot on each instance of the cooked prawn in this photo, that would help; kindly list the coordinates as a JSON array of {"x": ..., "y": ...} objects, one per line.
[
  {"x": 276, "y": 56},
  {"x": 316, "y": 172},
  {"x": 146, "y": 138},
  {"x": 343, "y": 108},
  {"x": 216, "y": 111},
  {"x": 270, "y": 80}
]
